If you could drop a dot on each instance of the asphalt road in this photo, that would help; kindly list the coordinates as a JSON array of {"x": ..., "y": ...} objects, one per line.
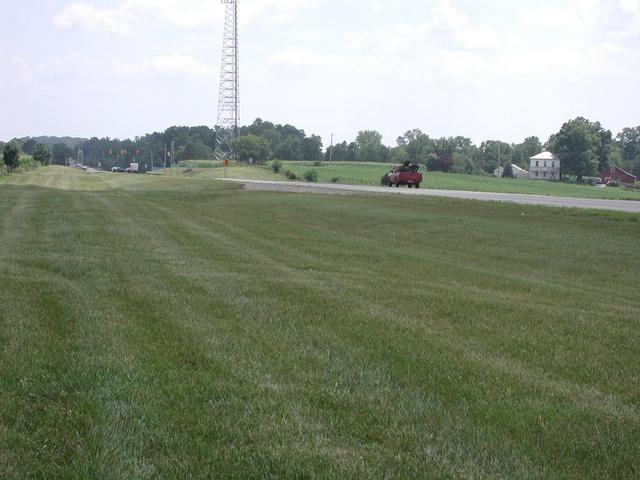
[{"x": 547, "y": 201}]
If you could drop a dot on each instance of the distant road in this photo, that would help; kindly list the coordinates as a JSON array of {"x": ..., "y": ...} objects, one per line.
[{"x": 547, "y": 201}]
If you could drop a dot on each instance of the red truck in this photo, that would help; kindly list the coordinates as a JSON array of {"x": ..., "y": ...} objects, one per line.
[{"x": 407, "y": 174}]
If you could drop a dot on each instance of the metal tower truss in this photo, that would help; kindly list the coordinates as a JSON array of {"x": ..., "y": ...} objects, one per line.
[{"x": 229, "y": 96}]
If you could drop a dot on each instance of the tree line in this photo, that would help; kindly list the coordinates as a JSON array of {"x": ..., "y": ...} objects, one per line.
[{"x": 584, "y": 147}]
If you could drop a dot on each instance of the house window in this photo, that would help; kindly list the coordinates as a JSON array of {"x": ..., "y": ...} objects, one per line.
[
  {"x": 537, "y": 163},
  {"x": 553, "y": 164},
  {"x": 537, "y": 174},
  {"x": 545, "y": 164},
  {"x": 545, "y": 174}
]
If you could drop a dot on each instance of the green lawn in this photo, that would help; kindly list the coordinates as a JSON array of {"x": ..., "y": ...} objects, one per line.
[
  {"x": 371, "y": 173},
  {"x": 181, "y": 328},
  {"x": 237, "y": 171}
]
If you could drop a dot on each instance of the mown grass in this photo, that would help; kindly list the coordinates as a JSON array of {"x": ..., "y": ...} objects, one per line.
[
  {"x": 371, "y": 174},
  {"x": 181, "y": 328}
]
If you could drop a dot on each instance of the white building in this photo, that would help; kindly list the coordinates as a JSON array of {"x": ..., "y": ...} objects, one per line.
[
  {"x": 545, "y": 166},
  {"x": 518, "y": 173}
]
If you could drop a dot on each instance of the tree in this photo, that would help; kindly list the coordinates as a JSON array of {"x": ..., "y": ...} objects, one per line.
[
  {"x": 508, "y": 171},
  {"x": 252, "y": 147},
  {"x": 312, "y": 148},
  {"x": 522, "y": 152},
  {"x": 195, "y": 149},
  {"x": 494, "y": 153},
  {"x": 370, "y": 148},
  {"x": 439, "y": 163},
  {"x": 579, "y": 144},
  {"x": 628, "y": 140},
  {"x": 60, "y": 153},
  {"x": 635, "y": 168},
  {"x": 289, "y": 149},
  {"x": 42, "y": 154},
  {"x": 398, "y": 155},
  {"x": 29, "y": 146},
  {"x": 11, "y": 155},
  {"x": 419, "y": 146}
]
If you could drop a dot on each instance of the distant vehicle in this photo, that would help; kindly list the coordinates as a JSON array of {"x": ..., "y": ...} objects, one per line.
[
  {"x": 407, "y": 174},
  {"x": 117, "y": 170},
  {"x": 133, "y": 168}
]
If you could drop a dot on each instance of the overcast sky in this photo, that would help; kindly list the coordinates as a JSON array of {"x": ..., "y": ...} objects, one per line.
[{"x": 492, "y": 69}]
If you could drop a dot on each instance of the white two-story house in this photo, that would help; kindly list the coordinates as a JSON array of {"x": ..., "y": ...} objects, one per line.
[{"x": 544, "y": 166}]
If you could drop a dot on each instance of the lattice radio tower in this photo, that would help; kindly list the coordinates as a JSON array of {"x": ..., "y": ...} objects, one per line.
[{"x": 229, "y": 99}]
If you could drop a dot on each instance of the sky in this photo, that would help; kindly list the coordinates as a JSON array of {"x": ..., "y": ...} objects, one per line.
[{"x": 484, "y": 69}]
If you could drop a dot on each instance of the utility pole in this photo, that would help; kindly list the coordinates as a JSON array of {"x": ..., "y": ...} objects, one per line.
[
  {"x": 173, "y": 154},
  {"x": 165, "y": 160},
  {"x": 331, "y": 149}
]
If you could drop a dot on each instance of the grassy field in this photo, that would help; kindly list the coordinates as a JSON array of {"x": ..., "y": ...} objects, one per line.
[
  {"x": 181, "y": 328},
  {"x": 371, "y": 173}
]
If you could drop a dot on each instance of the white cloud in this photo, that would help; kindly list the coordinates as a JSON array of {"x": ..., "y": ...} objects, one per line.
[
  {"x": 171, "y": 65},
  {"x": 376, "y": 7},
  {"x": 181, "y": 13},
  {"x": 87, "y": 16},
  {"x": 175, "y": 65},
  {"x": 588, "y": 17},
  {"x": 451, "y": 47}
]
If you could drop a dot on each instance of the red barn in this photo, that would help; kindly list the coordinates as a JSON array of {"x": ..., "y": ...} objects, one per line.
[{"x": 617, "y": 174}]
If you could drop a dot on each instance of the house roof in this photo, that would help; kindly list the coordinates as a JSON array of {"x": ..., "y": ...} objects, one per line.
[
  {"x": 623, "y": 171},
  {"x": 545, "y": 156},
  {"x": 518, "y": 169}
]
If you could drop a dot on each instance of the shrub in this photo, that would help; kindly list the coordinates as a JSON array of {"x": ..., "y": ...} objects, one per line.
[
  {"x": 613, "y": 183},
  {"x": 276, "y": 166},
  {"x": 311, "y": 176},
  {"x": 291, "y": 175},
  {"x": 335, "y": 180}
]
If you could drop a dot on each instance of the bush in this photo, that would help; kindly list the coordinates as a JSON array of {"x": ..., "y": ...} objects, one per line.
[
  {"x": 613, "y": 183},
  {"x": 291, "y": 175},
  {"x": 276, "y": 166},
  {"x": 335, "y": 180},
  {"x": 311, "y": 176}
]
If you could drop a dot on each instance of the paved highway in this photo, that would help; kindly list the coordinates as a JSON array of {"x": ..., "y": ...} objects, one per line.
[{"x": 547, "y": 201}]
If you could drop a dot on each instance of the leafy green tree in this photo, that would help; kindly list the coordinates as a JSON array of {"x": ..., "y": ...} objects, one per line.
[
  {"x": 11, "y": 155},
  {"x": 195, "y": 149},
  {"x": 312, "y": 148},
  {"x": 370, "y": 148},
  {"x": 398, "y": 155},
  {"x": 29, "y": 146},
  {"x": 60, "y": 153},
  {"x": 42, "y": 154},
  {"x": 522, "y": 152},
  {"x": 494, "y": 153},
  {"x": 628, "y": 140},
  {"x": 508, "y": 171},
  {"x": 252, "y": 147},
  {"x": 290, "y": 148},
  {"x": 579, "y": 144},
  {"x": 635, "y": 168},
  {"x": 418, "y": 145}
]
